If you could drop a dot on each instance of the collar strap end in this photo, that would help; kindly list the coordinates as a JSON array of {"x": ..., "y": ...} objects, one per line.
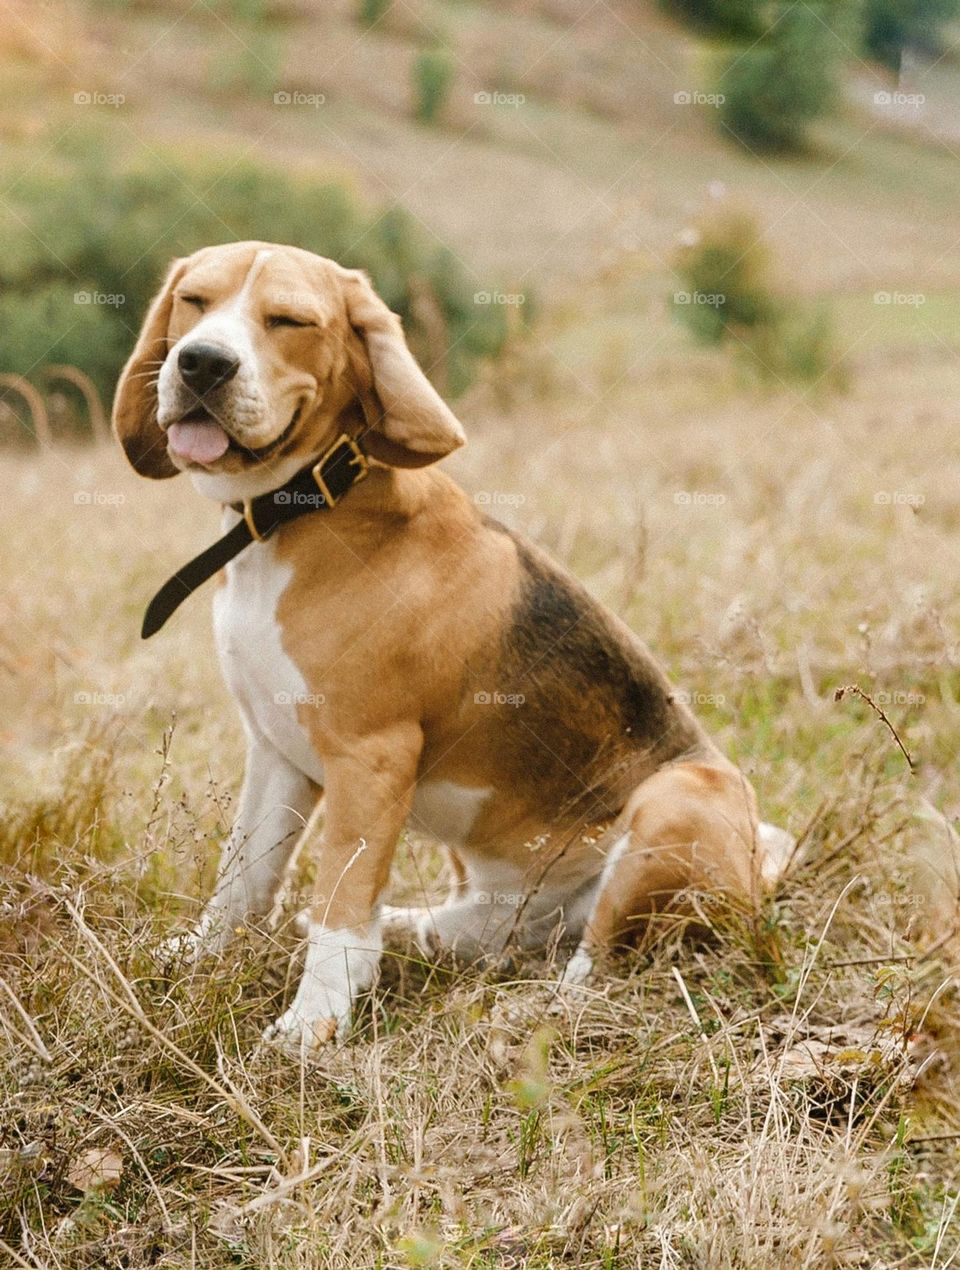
[{"x": 338, "y": 469}]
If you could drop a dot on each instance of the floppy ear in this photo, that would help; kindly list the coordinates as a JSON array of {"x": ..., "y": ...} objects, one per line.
[
  {"x": 135, "y": 402},
  {"x": 408, "y": 423}
]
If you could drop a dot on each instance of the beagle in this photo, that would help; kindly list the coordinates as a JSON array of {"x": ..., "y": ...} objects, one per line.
[{"x": 408, "y": 659}]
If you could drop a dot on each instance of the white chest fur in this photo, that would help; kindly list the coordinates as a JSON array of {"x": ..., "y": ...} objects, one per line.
[{"x": 266, "y": 683}]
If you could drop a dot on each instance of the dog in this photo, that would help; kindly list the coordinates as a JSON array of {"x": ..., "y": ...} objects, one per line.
[{"x": 408, "y": 659}]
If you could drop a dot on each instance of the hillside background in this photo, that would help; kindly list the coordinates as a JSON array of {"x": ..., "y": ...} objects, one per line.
[{"x": 775, "y": 527}]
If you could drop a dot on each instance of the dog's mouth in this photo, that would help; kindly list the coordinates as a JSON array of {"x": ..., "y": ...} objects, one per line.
[{"x": 200, "y": 438}]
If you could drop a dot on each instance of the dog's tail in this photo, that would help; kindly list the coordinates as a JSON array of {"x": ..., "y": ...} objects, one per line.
[{"x": 778, "y": 849}]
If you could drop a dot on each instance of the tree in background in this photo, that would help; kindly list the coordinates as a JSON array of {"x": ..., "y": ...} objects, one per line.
[
  {"x": 891, "y": 26},
  {"x": 250, "y": 63},
  {"x": 781, "y": 59},
  {"x": 775, "y": 87}
]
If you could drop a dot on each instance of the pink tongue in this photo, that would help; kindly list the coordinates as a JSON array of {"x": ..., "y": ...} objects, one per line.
[{"x": 200, "y": 442}]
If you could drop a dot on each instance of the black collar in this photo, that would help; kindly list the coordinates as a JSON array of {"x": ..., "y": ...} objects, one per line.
[{"x": 316, "y": 487}]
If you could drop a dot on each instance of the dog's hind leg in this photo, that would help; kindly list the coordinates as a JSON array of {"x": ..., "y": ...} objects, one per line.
[{"x": 689, "y": 828}]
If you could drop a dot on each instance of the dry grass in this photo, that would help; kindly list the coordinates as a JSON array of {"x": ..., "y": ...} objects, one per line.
[
  {"x": 772, "y": 1098},
  {"x": 784, "y": 1096}
]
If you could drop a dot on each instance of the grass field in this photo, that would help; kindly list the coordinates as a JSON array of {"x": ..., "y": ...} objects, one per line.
[{"x": 782, "y": 1096}]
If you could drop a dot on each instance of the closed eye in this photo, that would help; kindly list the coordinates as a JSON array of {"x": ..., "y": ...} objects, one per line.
[
  {"x": 284, "y": 319},
  {"x": 197, "y": 301}
]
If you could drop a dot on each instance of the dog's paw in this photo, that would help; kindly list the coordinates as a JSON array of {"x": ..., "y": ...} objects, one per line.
[
  {"x": 206, "y": 939},
  {"x": 578, "y": 970},
  {"x": 299, "y": 1036},
  {"x": 404, "y": 926},
  {"x": 186, "y": 949}
]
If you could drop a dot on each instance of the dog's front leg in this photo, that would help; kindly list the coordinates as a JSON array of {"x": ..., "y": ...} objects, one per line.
[
  {"x": 276, "y": 801},
  {"x": 369, "y": 788}
]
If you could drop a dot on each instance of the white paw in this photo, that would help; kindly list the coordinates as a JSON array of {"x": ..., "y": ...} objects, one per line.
[
  {"x": 299, "y": 1035},
  {"x": 578, "y": 969},
  {"x": 396, "y": 919},
  {"x": 212, "y": 934},
  {"x": 338, "y": 965},
  {"x": 416, "y": 924},
  {"x": 189, "y": 947}
]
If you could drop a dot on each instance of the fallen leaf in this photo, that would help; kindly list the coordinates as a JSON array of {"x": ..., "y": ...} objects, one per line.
[{"x": 98, "y": 1169}]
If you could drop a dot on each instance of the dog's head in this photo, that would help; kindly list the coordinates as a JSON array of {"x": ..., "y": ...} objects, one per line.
[{"x": 255, "y": 357}]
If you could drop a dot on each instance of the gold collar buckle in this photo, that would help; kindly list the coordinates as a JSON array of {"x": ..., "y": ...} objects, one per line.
[
  {"x": 251, "y": 522},
  {"x": 357, "y": 459}
]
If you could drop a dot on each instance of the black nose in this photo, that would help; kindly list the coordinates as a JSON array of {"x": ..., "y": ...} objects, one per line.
[{"x": 204, "y": 367}]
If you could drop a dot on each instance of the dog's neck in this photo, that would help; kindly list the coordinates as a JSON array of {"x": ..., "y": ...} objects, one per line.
[
  {"x": 235, "y": 487},
  {"x": 397, "y": 495},
  {"x": 314, "y": 494}
]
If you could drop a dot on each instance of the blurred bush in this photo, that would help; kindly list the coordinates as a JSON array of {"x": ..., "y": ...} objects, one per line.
[
  {"x": 432, "y": 78},
  {"x": 730, "y": 294},
  {"x": 89, "y": 235},
  {"x": 780, "y": 61},
  {"x": 727, "y": 275},
  {"x": 249, "y": 60},
  {"x": 779, "y": 84}
]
